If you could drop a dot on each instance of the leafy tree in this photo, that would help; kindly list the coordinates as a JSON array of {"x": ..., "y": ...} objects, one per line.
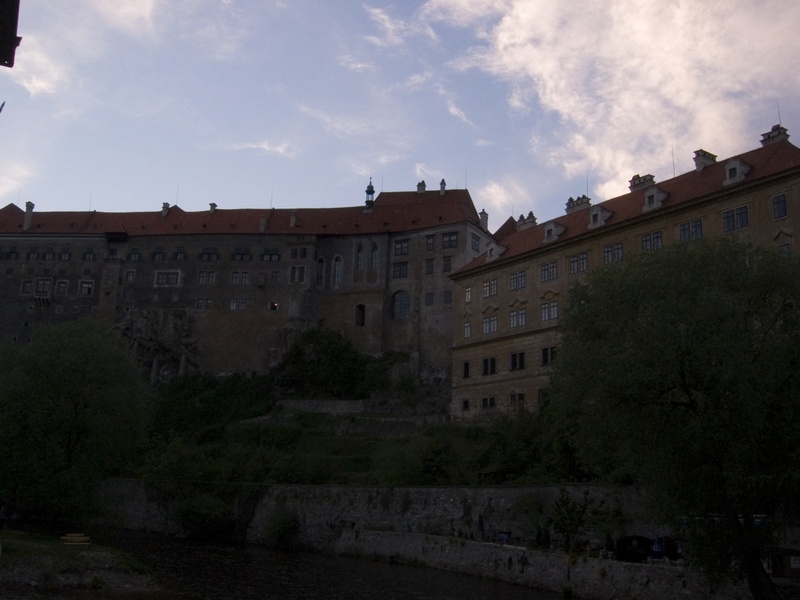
[
  {"x": 72, "y": 411},
  {"x": 681, "y": 371}
]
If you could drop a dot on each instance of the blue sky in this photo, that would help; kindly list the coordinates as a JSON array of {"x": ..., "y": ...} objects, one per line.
[{"x": 119, "y": 106}]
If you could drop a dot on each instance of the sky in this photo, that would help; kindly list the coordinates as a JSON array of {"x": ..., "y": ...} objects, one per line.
[{"x": 121, "y": 106}]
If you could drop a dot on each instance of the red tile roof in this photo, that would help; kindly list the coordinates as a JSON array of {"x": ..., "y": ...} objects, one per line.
[
  {"x": 392, "y": 212},
  {"x": 766, "y": 161}
]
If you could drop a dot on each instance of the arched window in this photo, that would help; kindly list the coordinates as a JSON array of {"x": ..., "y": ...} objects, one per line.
[
  {"x": 359, "y": 258},
  {"x": 373, "y": 261},
  {"x": 401, "y": 305},
  {"x": 337, "y": 270}
]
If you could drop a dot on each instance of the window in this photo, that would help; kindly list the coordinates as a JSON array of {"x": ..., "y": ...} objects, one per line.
[
  {"x": 85, "y": 288},
  {"x": 400, "y": 270},
  {"x": 242, "y": 254},
  {"x": 779, "y": 206},
  {"x": 61, "y": 287},
  {"x": 651, "y": 241},
  {"x": 32, "y": 255},
  {"x": 691, "y": 230},
  {"x": 235, "y": 278},
  {"x": 465, "y": 405},
  {"x": 784, "y": 249},
  {"x": 489, "y": 367},
  {"x": 428, "y": 298},
  {"x": 446, "y": 263},
  {"x": 27, "y": 288},
  {"x": 467, "y": 295},
  {"x": 270, "y": 255},
  {"x": 490, "y": 324},
  {"x": 321, "y": 272},
  {"x": 517, "y": 318},
  {"x": 612, "y": 253},
  {"x": 167, "y": 278},
  {"x": 467, "y": 329},
  {"x": 447, "y": 297},
  {"x": 578, "y": 263},
  {"x": 450, "y": 240},
  {"x": 429, "y": 242},
  {"x": 158, "y": 255},
  {"x": 299, "y": 253},
  {"x": 273, "y": 277},
  {"x": 273, "y": 305},
  {"x": 64, "y": 255},
  {"x": 429, "y": 266},
  {"x": 734, "y": 219},
  {"x": 373, "y": 261},
  {"x": 43, "y": 287},
  {"x": 130, "y": 276},
  {"x": 209, "y": 254},
  {"x": 549, "y": 271},
  {"x": 297, "y": 274},
  {"x": 548, "y": 355},
  {"x": 201, "y": 303},
  {"x": 466, "y": 369},
  {"x": 517, "y": 280},
  {"x": 337, "y": 270},
  {"x": 401, "y": 305},
  {"x": 515, "y": 398},
  {"x": 360, "y": 258},
  {"x": 517, "y": 361},
  {"x": 476, "y": 243},
  {"x": 488, "y": 402},
  {"x": 179, "y": 255},
  {"x": 50, "y": 255},
  {"x": 400, "y": 247},
  {"x": 490, "y": 288},
  {"x": 550, "y": 310},
  {"x": 360, "y": 315},
  {"x": 134, "y": 256},
  {"x": 238, "y": 304}
]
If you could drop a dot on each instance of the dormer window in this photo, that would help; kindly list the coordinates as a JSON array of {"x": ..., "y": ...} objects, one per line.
[
  {"x": 653, "y": 198},
  {"x": 598, "y": 216},
  {"x": 552, "y": 230},
  {"x": 736, "y": 171}
]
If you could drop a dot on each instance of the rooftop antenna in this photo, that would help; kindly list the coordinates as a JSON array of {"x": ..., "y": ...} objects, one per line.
[
  {"x": 271, "y": 195},
  {"x": 381, "y": 181},
  {"x": 465, "y": 179},
  {"x": 672, "y": 147},
  {"x": 177, "y": 193},
  {"x": 91, "y": 193},
  {"x": 778, "y": 102},
  {"x": 587, "y": 185}
]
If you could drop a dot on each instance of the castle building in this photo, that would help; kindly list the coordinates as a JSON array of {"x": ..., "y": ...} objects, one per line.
[
  {"x": 223, "y": 291},
  {"x": 508, "y": 301}
]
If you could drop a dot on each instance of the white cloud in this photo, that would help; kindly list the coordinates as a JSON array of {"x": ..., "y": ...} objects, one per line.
[
  {"x": 502, "y": 199},
  {"x": 338, "y": 125},
  {"x": 14, "y": 177},
  {"x": 352, "y": 64},
  {"x": 393, "y": 29},
  {"x": 628, "y": 80},
  {"x": 134, "y": 17},
  {"x": 283, "y": 149}
]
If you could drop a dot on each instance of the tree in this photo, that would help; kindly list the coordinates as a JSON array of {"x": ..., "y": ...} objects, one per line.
[
  {"x": 681, "y": 372},
  {"x": 73, "y": 410}
]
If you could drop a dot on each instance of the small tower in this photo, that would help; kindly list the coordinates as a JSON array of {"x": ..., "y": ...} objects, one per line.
[{"x": 370, "y": 201}]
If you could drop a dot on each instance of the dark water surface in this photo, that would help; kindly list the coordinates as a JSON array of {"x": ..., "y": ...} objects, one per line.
[{"x": 216, "y": 572}]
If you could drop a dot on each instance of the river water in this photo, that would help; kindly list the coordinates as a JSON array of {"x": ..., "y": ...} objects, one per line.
[{"x": 227, "y": 572}]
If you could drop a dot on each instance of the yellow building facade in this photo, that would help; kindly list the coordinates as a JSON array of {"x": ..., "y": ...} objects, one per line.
[{"x": 508, "y": 301}]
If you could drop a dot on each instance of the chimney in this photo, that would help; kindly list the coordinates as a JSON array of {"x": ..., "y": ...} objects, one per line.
[
  {"x": 703, "y": 159},
  {"x": 579, "y": 203},
  {"x": 638, "y": 182},
  {"x": 484, "y": 217},
  {"x": 526, "y": 222},
  {"x": 776, "y": 134},
  {"x": 293, "y": 218},
  {"x": 212, "y": 206},
  {"x": 26, "y": 224},
  {"x": 442, "y": 186},
  {"x": 262, "y": 224},
  {"x": 164, "y": 209},
  {"x": 421, "y": 187}
]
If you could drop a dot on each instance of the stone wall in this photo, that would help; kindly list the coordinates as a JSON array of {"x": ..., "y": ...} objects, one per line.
[{"x": 456, "y": 529}]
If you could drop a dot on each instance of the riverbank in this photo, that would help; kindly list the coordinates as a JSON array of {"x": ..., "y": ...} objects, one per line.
[{"x": 34, "y": 566}]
